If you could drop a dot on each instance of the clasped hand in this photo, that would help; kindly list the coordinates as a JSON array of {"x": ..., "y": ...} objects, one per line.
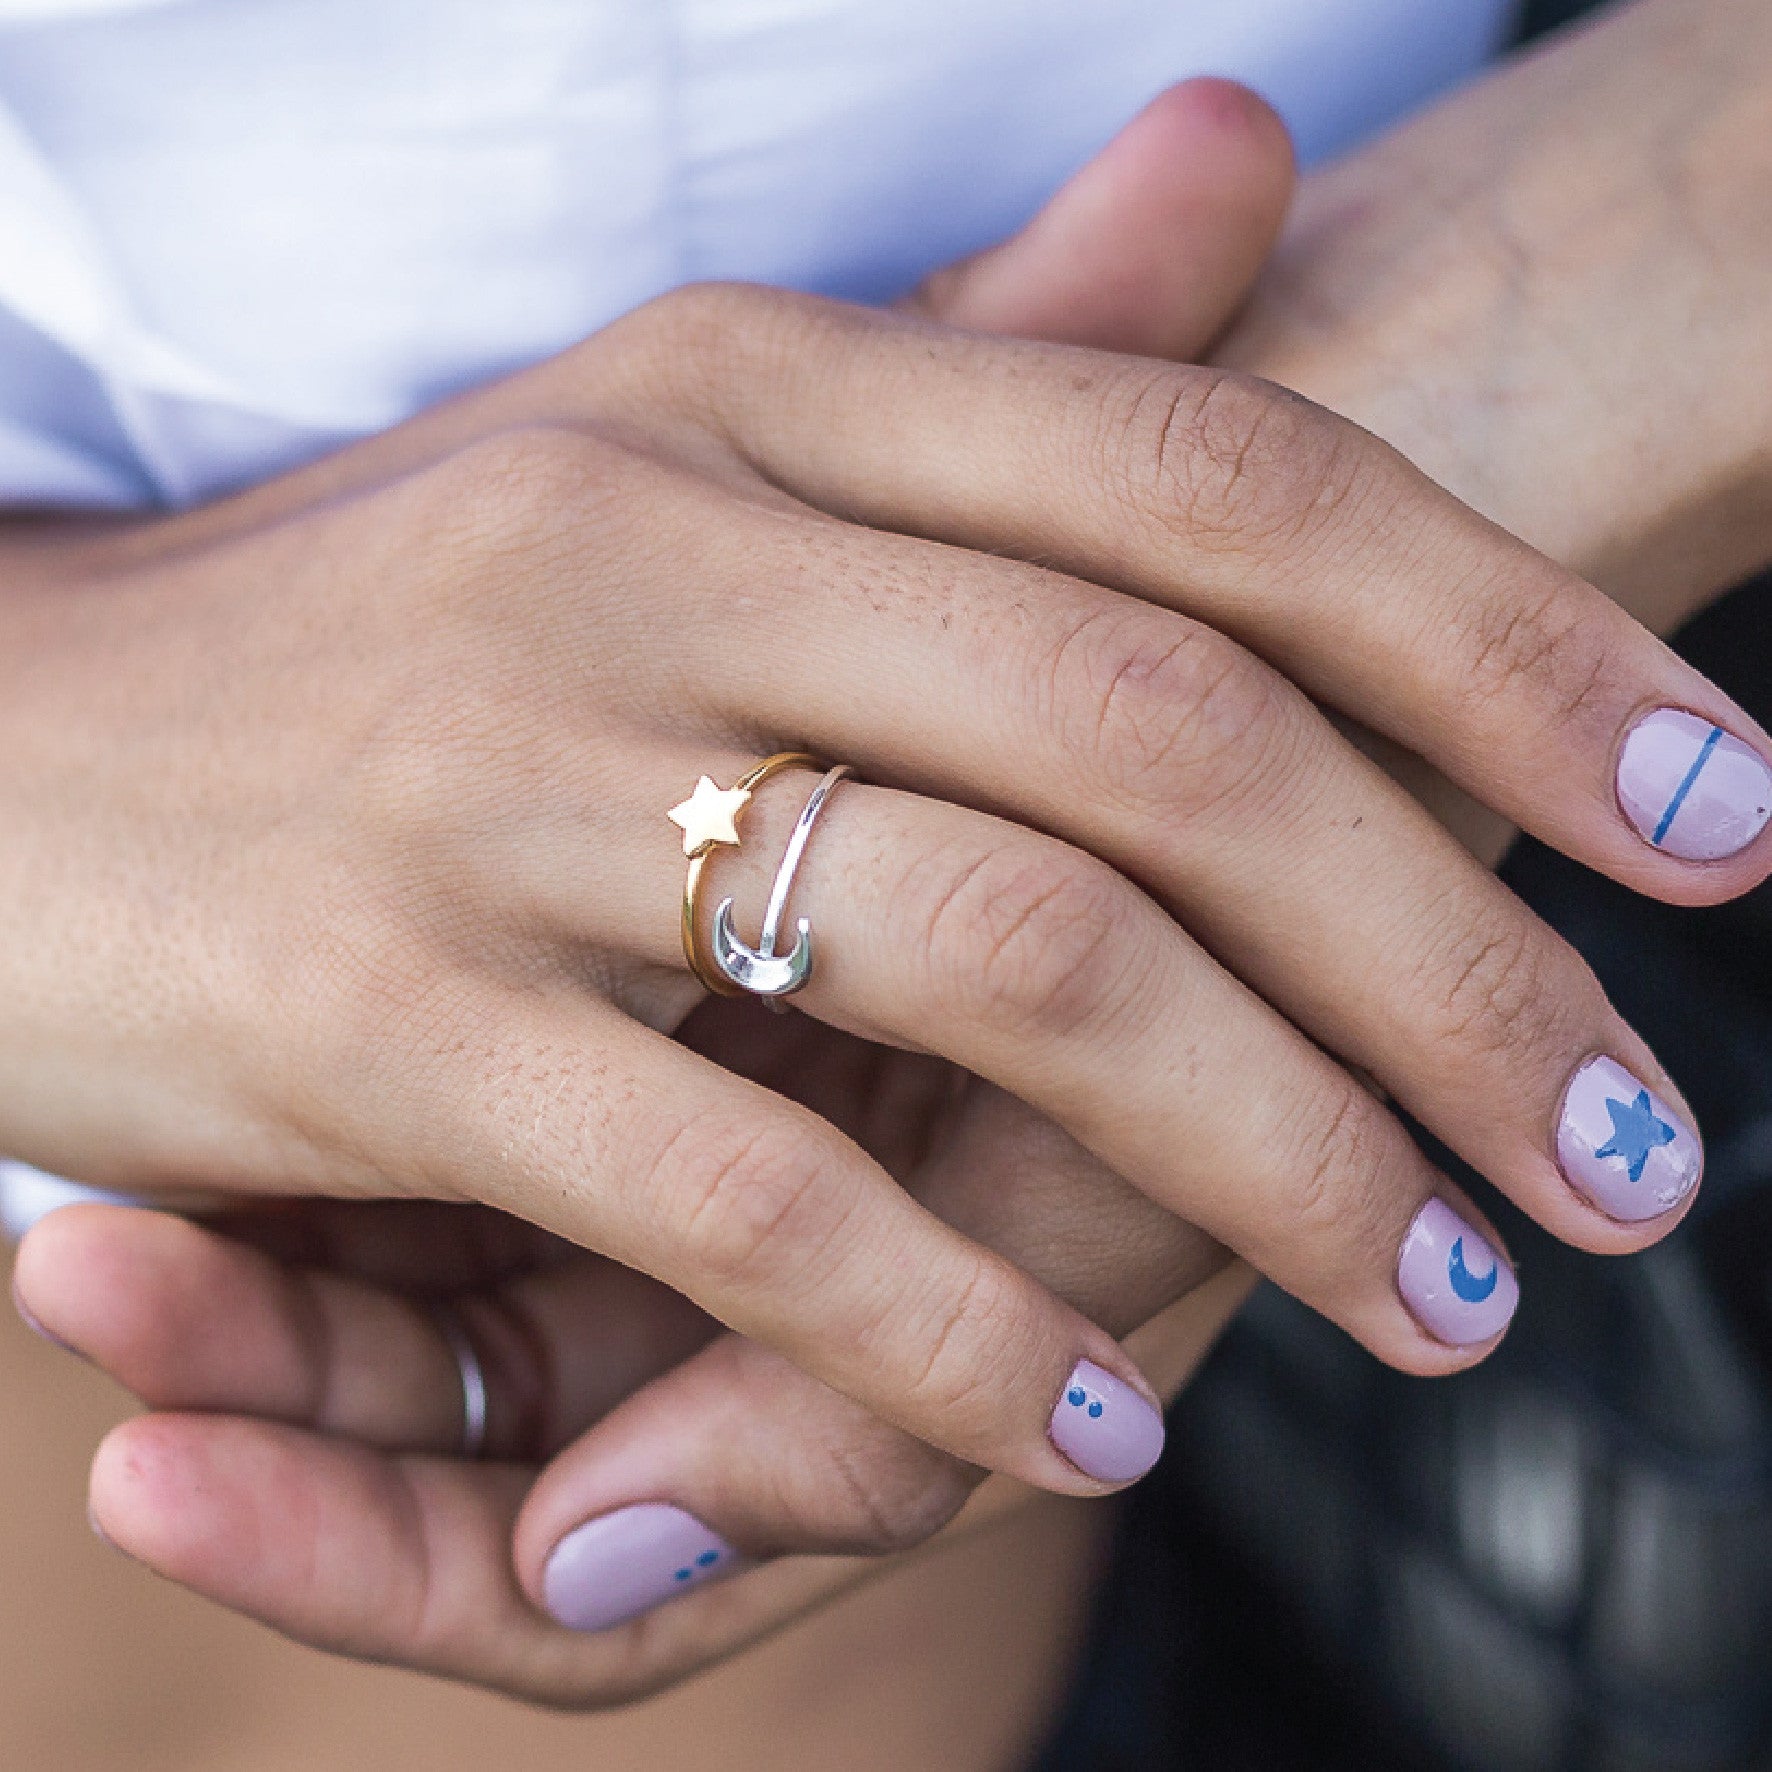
[{"x": 336, "y": 820}]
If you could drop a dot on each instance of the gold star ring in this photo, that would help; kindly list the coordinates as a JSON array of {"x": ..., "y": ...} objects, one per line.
[{"x": 708, "y": 820}]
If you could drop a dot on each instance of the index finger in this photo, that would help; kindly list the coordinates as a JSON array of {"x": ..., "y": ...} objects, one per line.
[{"x": 1284, "y": 526}]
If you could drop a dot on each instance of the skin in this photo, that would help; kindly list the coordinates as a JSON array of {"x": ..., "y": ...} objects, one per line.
[
  {"x": 1565, "y": 263},
  {"x": 686, "y": 1609}
]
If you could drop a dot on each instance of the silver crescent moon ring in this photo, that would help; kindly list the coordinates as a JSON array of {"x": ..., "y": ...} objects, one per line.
[
  {"x": 760, "y": 971},
  {"x": 733, "y": 967}
]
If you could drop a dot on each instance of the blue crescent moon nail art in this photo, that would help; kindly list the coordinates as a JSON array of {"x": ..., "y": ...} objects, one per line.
[{"x": 1466, "y": 1284}]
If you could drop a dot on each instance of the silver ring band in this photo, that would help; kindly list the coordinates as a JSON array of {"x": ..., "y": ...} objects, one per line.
[
  {"x": 760, "y": 971},
  {"x": 473, "y": 1378}
]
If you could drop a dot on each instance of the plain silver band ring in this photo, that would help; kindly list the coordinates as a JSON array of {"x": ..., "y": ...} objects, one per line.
[{"x": 473, "y": 1378}]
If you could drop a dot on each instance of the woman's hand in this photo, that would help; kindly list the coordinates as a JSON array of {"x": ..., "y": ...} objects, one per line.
[{"x": 1137, "y": 551}]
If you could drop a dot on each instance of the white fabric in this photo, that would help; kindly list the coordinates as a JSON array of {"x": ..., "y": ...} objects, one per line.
[
  {"x": 236, "y": 232},
  {"x": 27, "y": 1195}
]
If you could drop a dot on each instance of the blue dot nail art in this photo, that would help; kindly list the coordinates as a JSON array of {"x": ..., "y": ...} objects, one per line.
[
  {"x": 1076, "y": 1396},
  {"x": 706, "y": 1560}
]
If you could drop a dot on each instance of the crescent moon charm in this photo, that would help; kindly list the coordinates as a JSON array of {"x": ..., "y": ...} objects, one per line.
[{"x": 760, "y": 971}]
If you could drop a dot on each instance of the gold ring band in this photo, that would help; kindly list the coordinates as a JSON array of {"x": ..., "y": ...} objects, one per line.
[{"x": 709, "y": 819}]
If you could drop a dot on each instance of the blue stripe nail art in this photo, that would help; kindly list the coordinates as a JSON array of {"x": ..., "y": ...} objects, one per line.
[{"x": 1685, "y": 787}]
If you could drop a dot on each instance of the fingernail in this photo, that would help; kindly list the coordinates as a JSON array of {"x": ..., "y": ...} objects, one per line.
[
  {"x": 1105, "y": 1428},
  {"x": 1690, "y": 788},
  {"x": 1453, "y": 1279},
  {"x": 1623, "y": 1147},
  {"x": 29, "y": 1319},
  {"x": 620, "y": 1565}
]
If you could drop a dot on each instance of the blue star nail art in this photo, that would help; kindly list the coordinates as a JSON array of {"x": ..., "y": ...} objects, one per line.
[{"x": 1636, "y": 1131}]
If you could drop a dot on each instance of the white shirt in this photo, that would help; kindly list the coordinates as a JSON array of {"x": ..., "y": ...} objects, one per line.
[{"x": 234, "y": 233}]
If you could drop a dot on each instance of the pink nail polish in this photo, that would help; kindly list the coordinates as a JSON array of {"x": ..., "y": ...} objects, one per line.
[
  {"x": 622, "y": 1564},
  {"x": 1105, "y": 1428},
  {"x": 1623, "y": 1147},
  {"x": 1692, "y": 789},
  {"x": 1453, "y": 1279}
]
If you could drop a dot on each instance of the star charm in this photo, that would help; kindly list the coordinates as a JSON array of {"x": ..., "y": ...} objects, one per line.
[
  {"x": 709, "y": 816},
  {"x": 1636, "y": 1131}
]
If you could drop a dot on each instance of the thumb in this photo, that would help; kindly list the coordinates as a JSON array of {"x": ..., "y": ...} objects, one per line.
[{"x": 1150, "y": 248}]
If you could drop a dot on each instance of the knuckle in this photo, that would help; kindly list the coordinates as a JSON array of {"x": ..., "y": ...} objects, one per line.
[
  {"x": 698, "y": 314},
  {"x": 1029, "y": 938},
  {"x": 891, "y": 1494},
  {"x": 1484, "y": 988},
  {"x": 1331, "y": 1150},
  {"x": 416, "y": 1601},
  {"x": 672, "y": 354},
  {"x": 1168, "y": 713},
  {"x": 1342, "y": 1148},
  {"x": 500, "y": 493},
  {"x": 1509, "y": 992},
  {"x": 1235, "y": 461},
  {"x": 1549, "y": 644},
  {"x": 749, "y": 1205},
  {"x": 968, "y": 1340}
]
